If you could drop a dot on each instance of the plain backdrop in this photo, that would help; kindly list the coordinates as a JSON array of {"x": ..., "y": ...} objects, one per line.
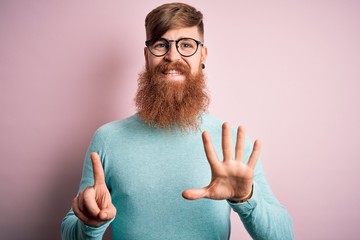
[{"x": 287, "y": 70}]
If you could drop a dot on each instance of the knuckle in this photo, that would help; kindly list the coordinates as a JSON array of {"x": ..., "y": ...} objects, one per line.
[
  {"x": 74, "y": 201},
  {"x": 87, "y": 197}
]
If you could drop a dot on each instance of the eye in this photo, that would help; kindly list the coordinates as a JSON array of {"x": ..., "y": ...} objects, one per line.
[
  {"x": 160, "y": 45},
  {"x": 187, "y": 44}
]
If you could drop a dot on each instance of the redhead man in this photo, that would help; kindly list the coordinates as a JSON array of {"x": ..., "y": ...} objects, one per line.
[{"x": 141, "y": 173}]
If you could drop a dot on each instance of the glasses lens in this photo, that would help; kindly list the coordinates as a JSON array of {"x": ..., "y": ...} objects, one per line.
[
  {"x": 187, "y": 46},
  {"x": 160, "y": 47}
]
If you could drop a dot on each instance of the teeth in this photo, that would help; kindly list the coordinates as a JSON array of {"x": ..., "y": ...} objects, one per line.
[{"x": 172, "y": 73}]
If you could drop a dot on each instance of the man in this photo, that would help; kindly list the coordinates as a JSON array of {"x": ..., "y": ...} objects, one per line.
[{"x": 139, "y": 172}]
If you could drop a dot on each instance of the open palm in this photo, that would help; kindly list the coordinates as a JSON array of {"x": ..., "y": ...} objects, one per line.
[{"x": 231, "y": 178}]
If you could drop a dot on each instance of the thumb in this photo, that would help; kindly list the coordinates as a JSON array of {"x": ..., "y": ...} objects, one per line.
[
  {"x": 107, "y": 213},
  {"x": 196, "y": 193}
]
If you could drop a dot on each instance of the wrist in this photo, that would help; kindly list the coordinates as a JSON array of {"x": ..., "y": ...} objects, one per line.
[{"x": 243, "y": 199}]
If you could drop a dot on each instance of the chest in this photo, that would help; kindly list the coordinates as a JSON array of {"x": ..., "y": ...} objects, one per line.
[{"x": 150, "y": 166}]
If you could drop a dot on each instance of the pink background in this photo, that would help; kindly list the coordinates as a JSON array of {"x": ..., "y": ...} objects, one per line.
[{"x": 288, "y": 71}]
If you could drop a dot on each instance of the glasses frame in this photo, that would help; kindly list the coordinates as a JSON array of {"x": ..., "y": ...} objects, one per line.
[{"x": 169, "y": 41}]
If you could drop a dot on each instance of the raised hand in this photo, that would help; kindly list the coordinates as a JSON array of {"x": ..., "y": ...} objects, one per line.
[
  {"x": 231, "y": 178},
  {"x": 93, "y": 206}
]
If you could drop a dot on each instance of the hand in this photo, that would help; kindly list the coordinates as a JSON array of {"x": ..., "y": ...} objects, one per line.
[
  {"x": 93, "y": 206},
  {"x": 231, "y": 179}
]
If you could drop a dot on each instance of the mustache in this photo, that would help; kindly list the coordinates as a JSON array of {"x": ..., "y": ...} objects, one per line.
[{"x": 177, "y": 66}]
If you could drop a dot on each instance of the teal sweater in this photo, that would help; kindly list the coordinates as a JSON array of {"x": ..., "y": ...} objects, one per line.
[{"x": 146, "y": 170}]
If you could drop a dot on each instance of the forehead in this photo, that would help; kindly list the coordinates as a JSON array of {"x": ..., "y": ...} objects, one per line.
[{"x": 188, "y": 32}]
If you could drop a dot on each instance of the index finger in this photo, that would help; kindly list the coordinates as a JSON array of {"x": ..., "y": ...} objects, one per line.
[
  {"x": 209, "y": 149},
  {"x": 99, "y": 177}
]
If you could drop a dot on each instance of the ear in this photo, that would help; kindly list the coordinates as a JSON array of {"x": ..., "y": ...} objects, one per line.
[
  {"x": 204, "y": 53},
  {"x": 145, "y": 53}
]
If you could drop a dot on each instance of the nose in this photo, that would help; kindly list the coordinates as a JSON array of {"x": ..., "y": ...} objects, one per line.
[{"x": 172, "y": 55}]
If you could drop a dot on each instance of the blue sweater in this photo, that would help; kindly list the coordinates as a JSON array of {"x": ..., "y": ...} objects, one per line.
[{"x": 146, "y": 170}]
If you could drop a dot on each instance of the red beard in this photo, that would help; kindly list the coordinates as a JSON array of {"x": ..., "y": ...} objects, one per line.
[{"x": 165, "y": 104}]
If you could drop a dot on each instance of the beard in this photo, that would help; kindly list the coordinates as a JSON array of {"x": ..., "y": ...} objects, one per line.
[{"x": 166, "y": 104}]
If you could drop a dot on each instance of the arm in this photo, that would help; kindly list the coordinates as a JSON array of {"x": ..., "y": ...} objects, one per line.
[
  {"x": 73, "y": 228},
  {"x": 262, "y": 215}
]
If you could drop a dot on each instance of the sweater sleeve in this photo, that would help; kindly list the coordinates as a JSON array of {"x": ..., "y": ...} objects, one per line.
[
  {"x": 72, "y": 227},
  {"x": 262, "y": 215}
]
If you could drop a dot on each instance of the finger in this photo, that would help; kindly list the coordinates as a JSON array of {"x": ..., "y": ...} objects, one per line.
[
  {"x": 90, "y": 204},
  {"x": 98, "y": 170},
  {"x": 78, "y": 212},
  {"x": 196, "y": 193},
  {"x": 85, "y": 219},
  {"x": 254, "y": 154},
  {"x": 80, "y": 200},
  {"x": 83, "y": 216},
  {"x": 209, "y": 149},
  {"x": 108, "y": 213},
  {"x": 226, "y": 141},
  {"x": 240, "y": 143}
]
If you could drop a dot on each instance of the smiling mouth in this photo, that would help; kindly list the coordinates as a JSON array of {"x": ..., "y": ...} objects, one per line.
[{"x": 172, "y": 73}]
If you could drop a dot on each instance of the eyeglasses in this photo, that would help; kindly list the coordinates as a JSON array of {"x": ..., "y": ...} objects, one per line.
[{"x": 185, "y": 46}]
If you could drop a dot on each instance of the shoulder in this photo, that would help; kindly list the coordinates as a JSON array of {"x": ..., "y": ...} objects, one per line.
[
  {"x": 117, "y": 127},
  {"x": 118, "y": 124}
]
